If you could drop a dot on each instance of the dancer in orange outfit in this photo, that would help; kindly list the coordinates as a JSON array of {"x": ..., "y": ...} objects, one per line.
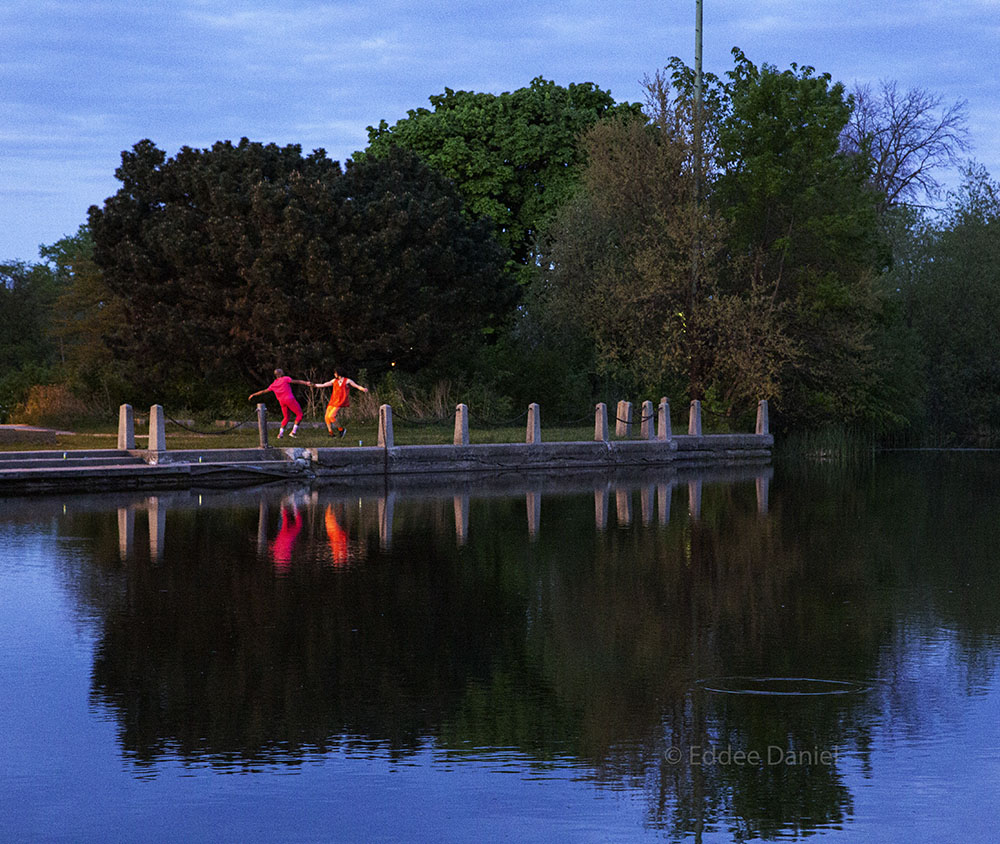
[{"x": 340, "y": 397}]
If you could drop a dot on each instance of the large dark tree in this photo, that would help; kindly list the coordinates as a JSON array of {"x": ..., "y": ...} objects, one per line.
[
  {"x": 514, "y": 156},
  {"x": 236, "y": 258}
]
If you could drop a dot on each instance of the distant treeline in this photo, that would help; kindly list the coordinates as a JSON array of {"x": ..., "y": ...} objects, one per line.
[{"x": 779, "y": 237}]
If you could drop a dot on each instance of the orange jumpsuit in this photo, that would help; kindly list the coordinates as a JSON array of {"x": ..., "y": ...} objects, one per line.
[{"x": 340, "y": 396}]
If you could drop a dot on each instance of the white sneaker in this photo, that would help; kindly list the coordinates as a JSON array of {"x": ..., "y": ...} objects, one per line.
[
  {"x": 281, "y": 433},
  {"x": 292, "y": 434}
]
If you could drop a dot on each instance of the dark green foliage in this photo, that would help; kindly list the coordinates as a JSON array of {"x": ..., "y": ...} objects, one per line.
[
  {"x": 804, "y": 212},
  {"x": 238, "y": 258},
  {"x": 514, "y": 157},
  {"x": 85, "y": 315},
  {"x": 955, "y": 301},
  {"x": 27, "y": 294},
  {"x": 27, "y": 353}
]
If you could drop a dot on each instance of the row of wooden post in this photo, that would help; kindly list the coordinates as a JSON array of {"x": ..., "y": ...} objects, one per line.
[
  {"x": 623, "y": 422},
  {"x": 533, "y": 434}
]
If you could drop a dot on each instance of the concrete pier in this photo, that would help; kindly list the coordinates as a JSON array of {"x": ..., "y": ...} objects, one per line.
[{"x": 159, "y": 467}]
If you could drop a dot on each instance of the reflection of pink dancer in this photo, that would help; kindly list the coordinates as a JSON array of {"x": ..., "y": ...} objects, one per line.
[
  {"x": 281, "y": 386},
  {"x": 284, "y": 542}
]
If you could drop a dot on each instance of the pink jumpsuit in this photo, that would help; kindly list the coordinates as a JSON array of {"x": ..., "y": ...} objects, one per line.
[{"x": 282, "y": 389}]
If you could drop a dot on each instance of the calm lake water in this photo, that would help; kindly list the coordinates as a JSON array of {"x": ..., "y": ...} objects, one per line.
[{"x": 768, "y": 654}]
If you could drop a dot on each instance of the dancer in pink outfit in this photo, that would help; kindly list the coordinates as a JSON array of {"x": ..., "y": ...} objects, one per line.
[{"x": 281, "y": 386}]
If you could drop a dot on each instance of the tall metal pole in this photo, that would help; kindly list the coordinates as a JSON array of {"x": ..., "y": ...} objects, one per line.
[
  {"x": 696, "y": 121},
  {"x": 697, "y": 96},
  {"x": 694, "y": 375}
]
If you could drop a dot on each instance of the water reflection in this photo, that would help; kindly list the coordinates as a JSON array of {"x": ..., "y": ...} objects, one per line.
[
  {"x": 652, "y": 498},
  {"x": 275, "y": 625}
]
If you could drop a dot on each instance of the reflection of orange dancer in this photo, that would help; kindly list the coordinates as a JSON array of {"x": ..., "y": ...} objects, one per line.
[
  {"x": 339, "y": 546},
  {"x": 282, "y": 544}
]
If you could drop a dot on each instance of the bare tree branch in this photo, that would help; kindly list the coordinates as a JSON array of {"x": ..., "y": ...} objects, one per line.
[{"x": 908, "y": 137}]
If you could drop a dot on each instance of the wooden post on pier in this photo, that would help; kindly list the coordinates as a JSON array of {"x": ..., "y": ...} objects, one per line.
[
  {"x": 385, "y": 426},
  {"x": 157, "y": 429},
  {"x": 533, "y": 435},
  {"x": 262, "y": 425},
  {"x": 694, "y": 419},
  {"x": 646, "y": 421},
  {"x": 763, "y": 425},
  {"x": 663, "y": 431},
  {"x": 601, "y": 423},
  {"x": 126, "y": 428},
  {"x": 461, "y": 425}
]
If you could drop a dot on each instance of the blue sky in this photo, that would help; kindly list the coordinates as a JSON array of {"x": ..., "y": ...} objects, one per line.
[{"x": 82, "y": 80}]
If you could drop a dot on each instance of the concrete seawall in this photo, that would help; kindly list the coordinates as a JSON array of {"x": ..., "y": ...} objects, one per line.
[
  {"x": 715, "y": 449},
  {"x": 115, "y": 469}
]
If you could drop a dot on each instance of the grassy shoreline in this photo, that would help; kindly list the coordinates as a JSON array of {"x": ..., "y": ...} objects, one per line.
[{"x": 364, "y": 433}]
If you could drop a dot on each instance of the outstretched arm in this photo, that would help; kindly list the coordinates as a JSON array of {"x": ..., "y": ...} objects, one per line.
[
  {"x": 259, "y": 392},
  {"x": 324, "y": 384},
  {"x": 350, "y": 383},
  {"x": 304, "y": 383}
]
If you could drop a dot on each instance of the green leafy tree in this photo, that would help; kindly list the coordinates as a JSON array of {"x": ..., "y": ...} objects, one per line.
[
  {"x": 620, "y": 263},
  {"x": 27, "y": 353},
  {"x": 955, "y": 301},
  {"x": 232, "y": 259},
  {"x": 27, "y": 293},
  {"x": 514, "y": 157},
  {"x": 85, "y": 315},
  {"x": 802, "y": 211}
]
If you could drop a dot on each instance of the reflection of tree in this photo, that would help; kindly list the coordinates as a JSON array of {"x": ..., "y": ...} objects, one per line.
[
  {"x": 579, "y": 644},
  {"x": 212, "y": 654},
  {"x": 652, "y": 611}
]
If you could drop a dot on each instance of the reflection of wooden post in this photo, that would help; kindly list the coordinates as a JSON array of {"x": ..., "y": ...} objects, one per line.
[
  {"x": 534, "y": 432},
  {"x": 262, "y": 526},
  {"x": 126, "y": 428},
  {"x": 623, "y": 504},
  {"x": 385, "y": 507},
  {"x": 646, "y": 504},
  {"x": 664, "y": 492},
  {"x": 157, "y": 528},
  {"x": 663, "y": 431},
  {"x": 646, "y": 421},
  {"x": 694, "y": 419},
  {"x": 763, "y": 425},
  {"x": 461, "y": 425},
  {"x": 533, "y": 500},
  {"x": 601, "y": 507},
  {"x": 262, "y": 425},
  {"x": 694, "y": 499},
  {"x": 126, "y": 531},
  {"x": 385, "y": 426},
  {"x": 157, "y": 429},
  {"x": 763, "y": 484},
  {"x": 461, "y": 519},
  {"x": 601, "y": 423}
]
